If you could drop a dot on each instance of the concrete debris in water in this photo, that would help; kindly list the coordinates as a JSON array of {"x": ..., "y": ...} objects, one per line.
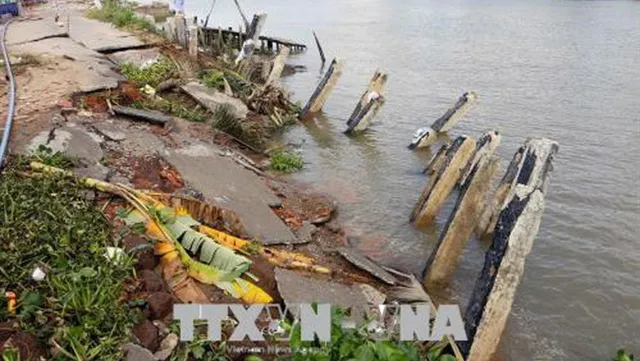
[{"x": 364, "y": 263}]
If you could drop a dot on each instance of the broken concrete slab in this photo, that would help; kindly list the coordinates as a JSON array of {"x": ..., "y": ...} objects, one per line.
[
  {"x": 226, "y": 183},
  {"x": 99, "y": 36},
  {"x": 374, "y": 296},
  {"x": 110, "y": 131},
  {"x": 33, "y": 30},
  {"x": 212, "y": 99},
  {"x": 363, "y": 262},
  {"x": 151, "y": 116},
  {"x": 306, "y": 232},
  {"x": 71, "y": 140},
  {"x": 137, "y": 57},
  {"x": 134, "y": 352},
  {"x": 91, "y": 70},
  {"x": 296, "y": 289}
]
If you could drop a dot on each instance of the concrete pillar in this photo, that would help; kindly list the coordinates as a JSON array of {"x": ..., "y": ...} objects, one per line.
[
  {"x": 369, "y": 104},
  {"x": 320, "y": 95},
  {"x": 519, "y": 220},
  {"x": 278, "y": 66},
  {"x": 193, "y": 41},
  {"x": 441, "y": 183},
  {"x": 459, "y": 226}
]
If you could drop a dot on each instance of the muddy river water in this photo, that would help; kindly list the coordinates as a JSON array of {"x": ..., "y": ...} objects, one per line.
[{"x": 566, "y": 70}]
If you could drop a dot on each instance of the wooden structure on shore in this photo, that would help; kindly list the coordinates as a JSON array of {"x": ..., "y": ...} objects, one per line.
[{"x": 268, "y": 44}]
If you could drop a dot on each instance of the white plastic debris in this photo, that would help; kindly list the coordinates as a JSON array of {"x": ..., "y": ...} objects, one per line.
[
  {"x": 38, "y": 274},
  {"x": 114, "y": 254},
  {"x": 373, "y": 95},
  {"x": 247, "y": 49}
]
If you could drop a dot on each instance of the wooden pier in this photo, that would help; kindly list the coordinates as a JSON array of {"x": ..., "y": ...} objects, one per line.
[{"x": 236, "y": 38}]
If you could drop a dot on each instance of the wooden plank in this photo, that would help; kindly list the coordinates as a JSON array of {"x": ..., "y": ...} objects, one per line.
[
  {"x": 518, "y": 223},
  {"x": 459, "y": 226},
  {"x": 441, "y": 183},
  {"x": 324, "y": 88},
  {"x": 369, "y": 104},
  {"x": 454, "y": 114}
]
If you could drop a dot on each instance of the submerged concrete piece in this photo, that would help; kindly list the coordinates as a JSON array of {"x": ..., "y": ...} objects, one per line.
[
  {"x": 99, "y": 36},
  {"x": 296, "y": 289},
  {"x": 92, "y": 70},
  {"x": 213, "y": 99},
  {"x": 32, "y": 30},
  {"x": 135, "y": 56},
  {"x": 363, "y": 262},
  {"x": 224, "y": 182}
]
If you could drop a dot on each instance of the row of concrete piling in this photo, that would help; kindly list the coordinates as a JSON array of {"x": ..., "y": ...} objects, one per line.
[{"x": 510, "y": 213}]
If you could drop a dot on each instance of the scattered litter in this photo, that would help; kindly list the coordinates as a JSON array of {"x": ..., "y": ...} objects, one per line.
[
  {"x": 38, "y": 274},
  {"x": 114, "y": 254}
]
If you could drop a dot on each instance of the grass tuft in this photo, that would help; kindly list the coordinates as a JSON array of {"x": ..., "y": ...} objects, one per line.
[
  {"x": 122, "y": 15},
  {"x": 225, "y": 120},
  {"x": 286, "y": 162}
]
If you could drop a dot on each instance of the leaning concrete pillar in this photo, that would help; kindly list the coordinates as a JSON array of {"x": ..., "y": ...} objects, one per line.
[
  {"x": 459, "y": 227},
  {"x": 278, "y": 66},
  {"x": 486, "y": 145},
  {"x": 369, "y": 104},
  {"x": 454, "y": 114},
  {"x": 193, "y": 41},
  {"x": 320, "y": 95},
  {"x": 442, "y": 182},
  {"x": 516, "y": 229},
  {"x": 436, "y": 161},
  {"x": 489, "y": 215}
]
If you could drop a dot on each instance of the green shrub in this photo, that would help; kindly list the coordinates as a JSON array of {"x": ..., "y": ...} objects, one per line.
[
  {"x": 121, "y": 14},
  {"x": 622, "y": 355},
  {"x": 286, "y": 162},
  {"x": 214, "y": 79}
]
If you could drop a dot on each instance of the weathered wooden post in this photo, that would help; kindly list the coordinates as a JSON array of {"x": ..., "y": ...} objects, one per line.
[
  {"x": 244, "y": 18},
  {"x": 443, "y": 181},
  {"x": 459, "y": 227},
  {"x": 320, "y": 95},
  {"x": 193, "y": 41},
  {"x": 278, "y": 66},
  {"x": 369, "y": 104},
  {"x": 319, "y": 47},
  {"x": 486, "y": 145},
  {"x": 516, "y": 229}
]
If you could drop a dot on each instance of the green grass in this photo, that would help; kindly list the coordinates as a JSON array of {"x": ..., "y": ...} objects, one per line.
[
  {"x": 122, "y": 15},
  {"x": 286, "y": 162},
  {"x": 225, "y": 120},
  {"x": 46, "y": 222},
  {"x": 152, "y": 75},
  {"x": 214, "y": 79}
]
